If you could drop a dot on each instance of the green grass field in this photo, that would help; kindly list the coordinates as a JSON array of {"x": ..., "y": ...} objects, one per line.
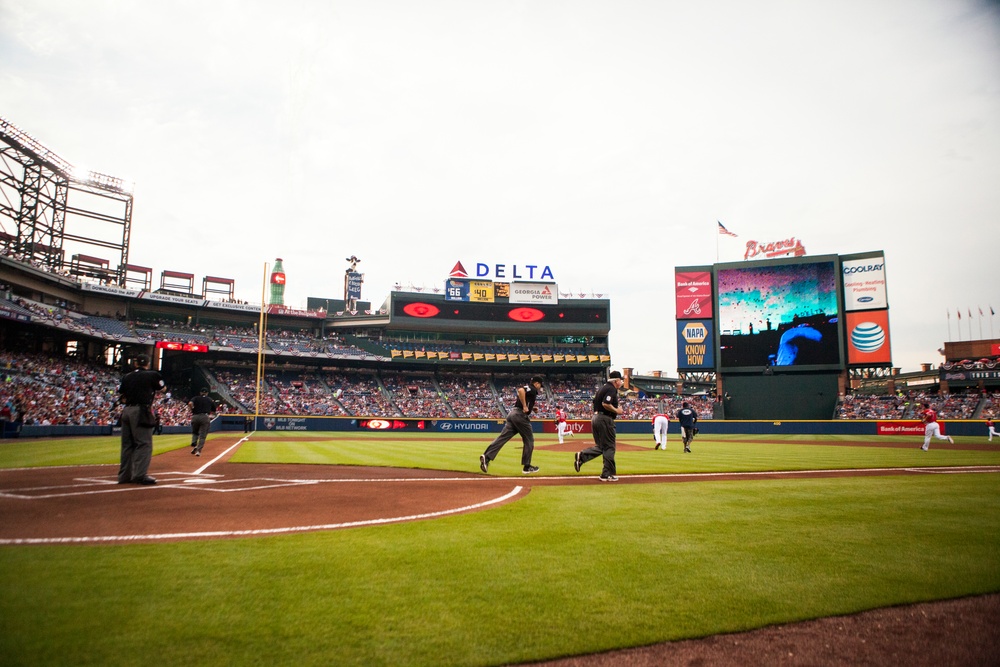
[{"x": 566, "y": 570}]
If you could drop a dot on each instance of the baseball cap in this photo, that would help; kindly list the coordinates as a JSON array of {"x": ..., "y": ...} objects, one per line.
[{"x": 615, "y": 375}]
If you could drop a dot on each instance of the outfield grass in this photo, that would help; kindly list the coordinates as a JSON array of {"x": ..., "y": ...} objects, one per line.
[
  {"x": 565, "y": 570},
  {"x": 711, "y": 454}
]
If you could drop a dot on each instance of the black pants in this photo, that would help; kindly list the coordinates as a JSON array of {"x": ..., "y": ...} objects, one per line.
[
  {"x": 605, "y": 437},
  {"x": 517, "y": 422}
]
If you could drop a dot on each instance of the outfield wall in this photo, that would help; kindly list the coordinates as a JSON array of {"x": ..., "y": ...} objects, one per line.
[{"x": 858, "y": 427}]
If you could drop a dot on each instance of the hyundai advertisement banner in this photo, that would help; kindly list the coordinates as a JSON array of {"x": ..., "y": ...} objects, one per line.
[
  {"x": 864, "y": 283},
  {"x": 868, "y": 338}
]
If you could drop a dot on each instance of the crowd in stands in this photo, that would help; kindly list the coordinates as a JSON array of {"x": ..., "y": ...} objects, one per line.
[
  {"x": 40, "y": 389},
  {"x": 471, "y": 396},
  {"x": 907, "y": 405},
  {"x": 44, "y": 390}
]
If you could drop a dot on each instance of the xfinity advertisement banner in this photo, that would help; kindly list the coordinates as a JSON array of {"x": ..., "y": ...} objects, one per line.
[
  {"x": 864, "y": 283},
  {"x": 693, "y": 294}
]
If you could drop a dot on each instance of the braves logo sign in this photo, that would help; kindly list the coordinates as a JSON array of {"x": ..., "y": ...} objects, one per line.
[{"x": 791, "y": 246}]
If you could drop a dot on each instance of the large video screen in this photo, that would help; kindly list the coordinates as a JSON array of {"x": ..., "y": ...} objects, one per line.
[{"x": 779, "y": 315}]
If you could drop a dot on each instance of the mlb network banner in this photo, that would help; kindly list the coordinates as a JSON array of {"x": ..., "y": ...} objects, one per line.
[
  {"x": 864, "y": 283},
  {"x": 693, "y": 294},
  {"x": 868, "y": 338},
  {"x": 545, "y": 293},
  {"x": 695, "y": 344}
]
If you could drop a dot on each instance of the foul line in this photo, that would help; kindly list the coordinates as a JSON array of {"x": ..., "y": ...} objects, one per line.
[
  {"x": 262, "y": 531},
  {"x": 220, "y": 456}
]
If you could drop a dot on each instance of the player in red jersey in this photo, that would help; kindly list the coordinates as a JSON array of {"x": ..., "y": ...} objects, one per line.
[
  {"x": 660, "y": 422},
  {"x": 990, "y": 430},
  {"x": 562, "y": 428},
  {"x": 932, "y": 429}
]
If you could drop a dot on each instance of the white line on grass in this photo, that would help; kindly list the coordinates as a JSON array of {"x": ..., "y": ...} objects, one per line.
[
  {"x": 262, "y": 531},
  {"x": 217, "y": 458}
]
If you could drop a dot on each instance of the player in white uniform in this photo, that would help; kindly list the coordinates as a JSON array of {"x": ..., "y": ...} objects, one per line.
[
  {"x": 562, "y": 428},
  {"x": 660, "y": 422},
  {"x": 933, "y": 429},
  {"x": 992, "y": 431}
]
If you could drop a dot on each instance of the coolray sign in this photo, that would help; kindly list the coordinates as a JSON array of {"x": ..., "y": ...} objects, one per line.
[
  {"x": 504, "y": 272},
  {"x": 545, "y": 293},
  {"x": 864, "y": 284}
]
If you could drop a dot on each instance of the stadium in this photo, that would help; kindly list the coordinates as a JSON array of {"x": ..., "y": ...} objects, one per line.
[{"x": 340, "y": 516}]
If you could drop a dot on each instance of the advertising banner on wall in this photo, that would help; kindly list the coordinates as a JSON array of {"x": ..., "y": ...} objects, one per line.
[
  {"x": 695, "y": 343},
  {"x": 547, "y": 293},
  {"x": 693, "y": 294},
  {"x": 868, "y": 338},
  {"x": 456, "y": 290},
  {"x": 864, "y": 283},
  {"x": 354, "y": 281}
]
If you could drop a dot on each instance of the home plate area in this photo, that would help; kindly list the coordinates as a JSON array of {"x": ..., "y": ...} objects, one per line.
[{"x": 75, "y": 505}]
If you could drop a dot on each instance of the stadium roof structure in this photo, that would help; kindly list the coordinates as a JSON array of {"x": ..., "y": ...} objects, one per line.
[{"x": 56, "y": 208}]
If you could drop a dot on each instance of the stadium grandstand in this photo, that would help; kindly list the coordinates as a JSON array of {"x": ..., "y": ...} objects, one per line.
[{"x": 72, "y": 319}]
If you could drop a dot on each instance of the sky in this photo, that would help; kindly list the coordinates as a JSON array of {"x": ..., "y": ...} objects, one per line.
[{"x": 602, "y": 139}]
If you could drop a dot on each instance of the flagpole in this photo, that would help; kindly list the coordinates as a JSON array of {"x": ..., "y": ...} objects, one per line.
[
  {"x": 717, "y": 235},
  {"x": 947, "y": 312}
]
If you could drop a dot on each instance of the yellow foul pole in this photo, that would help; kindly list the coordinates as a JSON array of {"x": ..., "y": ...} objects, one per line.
[{"x": 261, "y": 337}]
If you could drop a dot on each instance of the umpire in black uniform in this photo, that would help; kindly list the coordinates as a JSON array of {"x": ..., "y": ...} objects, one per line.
[
  {"x": 138, "y": 391},
  {"x": 603, "y": 425},
  {"x": 518, "y": 422},
  {"x": 201, "y": 409}
]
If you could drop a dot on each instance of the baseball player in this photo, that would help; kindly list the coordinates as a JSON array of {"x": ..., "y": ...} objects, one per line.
[
  {"x": 688, "y": 419},
  {"x": 992, "y": 431},
  {"x": 932, "y": 428},
  {"x": 660, "y": 422},
  {"x": 562, "y": 427}
]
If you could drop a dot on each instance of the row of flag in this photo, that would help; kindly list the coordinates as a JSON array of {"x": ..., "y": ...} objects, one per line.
[{"x": 958, "y": 311}]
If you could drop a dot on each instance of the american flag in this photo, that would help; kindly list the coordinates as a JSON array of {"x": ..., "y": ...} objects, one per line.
[{"x": 723, "y": 231}]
